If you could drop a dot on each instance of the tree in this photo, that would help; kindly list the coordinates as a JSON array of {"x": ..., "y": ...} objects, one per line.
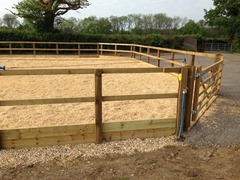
[
  {"x": 1, "y": 22},
  {"x": 103, "y": 26},
  {"x": 225, "y": 14},
  {"x": 68, "y": 25},
  {"x": 190, "y": 28},
  {"x": 123, "y": 21},
  {"x": 147, "y": 23},
  {"x": 10, "y": 21},
  {"x": 93, "y": 25},
  {"x": 176, "y": 22},
  {"x": 88, "y": 25},
  {"x": 41, "y": 14}
]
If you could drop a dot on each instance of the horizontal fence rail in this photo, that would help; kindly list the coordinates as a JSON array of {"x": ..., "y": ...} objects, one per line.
[
  {"x": 55, "y": 47},
  {"x": 16, "y": 72},
  {"x": 86, "y": 99}
]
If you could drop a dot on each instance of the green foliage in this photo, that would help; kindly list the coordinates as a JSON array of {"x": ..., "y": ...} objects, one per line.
[
  {"x": 192, "y": 28},
  {"x": 216, "y": 40},
  {"x": 226, "y": 14},
  {"x": 33, "y": 14},
  {"x": 40, "y": 15},
  {"x": 152, "y": 40},
  {"x": 68, "y": 25},
  {"x": 93, "y": 25},
  {"x": 236, "y": 44},
  {"x": 137, "y": 31}
]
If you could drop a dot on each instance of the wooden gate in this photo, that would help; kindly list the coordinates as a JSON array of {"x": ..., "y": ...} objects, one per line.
[{"x": 206, "y": 87}]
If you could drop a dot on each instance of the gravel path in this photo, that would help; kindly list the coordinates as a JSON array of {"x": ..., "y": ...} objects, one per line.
[{"x": 28, "y": 157}]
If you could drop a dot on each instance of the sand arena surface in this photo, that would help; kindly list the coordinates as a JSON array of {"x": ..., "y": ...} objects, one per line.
[{"x": 66, "y": 86}]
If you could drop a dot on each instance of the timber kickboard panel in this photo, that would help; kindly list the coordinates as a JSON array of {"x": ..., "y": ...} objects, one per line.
[
  {"x": 139, "y": 129},
  {"x": 45, "y": 136}
]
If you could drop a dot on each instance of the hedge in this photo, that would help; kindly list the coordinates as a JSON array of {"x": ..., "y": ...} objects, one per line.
[
  {"x": 158, "y": 40},
  {"x": 152, "y": 39}
]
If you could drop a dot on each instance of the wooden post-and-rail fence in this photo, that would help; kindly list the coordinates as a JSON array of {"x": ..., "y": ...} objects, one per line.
[
  {"x": 32, "y": 137},
  {"x": 201, "y": 84}
]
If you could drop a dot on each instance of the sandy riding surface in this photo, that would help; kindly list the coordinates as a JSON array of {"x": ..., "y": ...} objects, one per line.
[{"x": 66, "y": 86}]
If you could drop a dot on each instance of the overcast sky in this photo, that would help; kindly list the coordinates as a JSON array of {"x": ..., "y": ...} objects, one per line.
[{"x": 192, "y": 9}]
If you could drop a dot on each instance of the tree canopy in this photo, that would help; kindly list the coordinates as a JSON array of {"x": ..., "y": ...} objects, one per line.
[
  {"x": 10, "y": 21},
  {"x": 191, "y": 27},
  {"x": 225, "y": 14},
  {"x": 139, "y": 24},
  {"x": 41, "y": 14}
]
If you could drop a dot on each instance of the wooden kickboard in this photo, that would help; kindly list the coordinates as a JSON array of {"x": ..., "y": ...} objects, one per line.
[
  {"x": 139, "y": 129},
  {"x": 146, "y": 133},
  {"x": 46, "y": 136},
  {"x": 85, "y": 133}
]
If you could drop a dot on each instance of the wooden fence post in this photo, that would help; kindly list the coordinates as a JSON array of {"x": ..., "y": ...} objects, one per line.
[
  {"x": 98, "y": 105},
  {"x": 131, "y": 49},
  {"x": 98, "y": 49},
  {"x": 148, "y": 52},
  {"x": 34, "y": 48},
  {"x": 101, "y": 49},
  {"x": 172, "y": 58},
  {"x": 158, "y": 55},
  {"x": 140, "y": 50},
  {"x": 183, "y": 78},
  {"x": 57, "y": 52},
  {"x": 134, "y": 49},
  {"x": 10, "y": 48},
  {"x": 189, "y": 97},
  {"x": 192, "y": 61},
  {"x": 196, "y": 93},
  {"x": 79, "y": 47},
  {"x": 115, "y": 53}
]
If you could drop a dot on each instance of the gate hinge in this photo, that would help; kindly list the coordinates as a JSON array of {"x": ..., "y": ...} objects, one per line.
[
  {"x": 194, "y": 112},
  {"x": 197, "y": 75}
]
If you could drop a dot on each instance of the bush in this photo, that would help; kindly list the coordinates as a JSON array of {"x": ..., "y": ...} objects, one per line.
[{"x": 236, "y": 46}]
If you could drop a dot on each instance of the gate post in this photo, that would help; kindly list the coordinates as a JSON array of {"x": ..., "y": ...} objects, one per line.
[
  {"x": 183, "y": 78},
  {"x": 189, "y": 97},
  {"x": 218, "y": 58},
  {"x": 196, "y": 94}
]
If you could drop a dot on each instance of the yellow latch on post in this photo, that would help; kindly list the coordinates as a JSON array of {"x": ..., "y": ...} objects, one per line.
[{"x": 180, "y": 77}]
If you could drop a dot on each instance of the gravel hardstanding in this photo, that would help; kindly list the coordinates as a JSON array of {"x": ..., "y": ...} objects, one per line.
[{"x": 67, "y": 153}]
